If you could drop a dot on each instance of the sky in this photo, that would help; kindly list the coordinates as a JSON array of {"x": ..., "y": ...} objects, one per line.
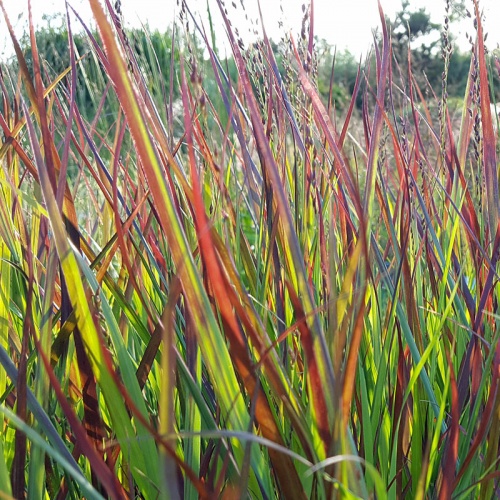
[{"x": 343, "y": 23}]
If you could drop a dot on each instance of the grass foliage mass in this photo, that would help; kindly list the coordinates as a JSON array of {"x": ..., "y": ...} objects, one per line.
[{"x": 216, "y": 283}]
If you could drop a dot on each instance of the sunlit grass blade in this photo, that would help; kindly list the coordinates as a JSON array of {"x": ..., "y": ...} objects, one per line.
[
  {"x": 284, "y": 469},
  {"x": 36, "y": 438},
  {"x": 210, "y": 339},
  {"x": 323, "y": 403},
  {"x": 93, "y": 343}
]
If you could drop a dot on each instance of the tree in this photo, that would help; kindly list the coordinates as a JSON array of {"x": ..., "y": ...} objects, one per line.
[
  {"x": 53, "y": 48},
  {"x": 414, "y": 29}
]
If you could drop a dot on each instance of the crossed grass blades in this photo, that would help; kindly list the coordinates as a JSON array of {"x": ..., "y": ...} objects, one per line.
[{"x": 246, "y": 292}]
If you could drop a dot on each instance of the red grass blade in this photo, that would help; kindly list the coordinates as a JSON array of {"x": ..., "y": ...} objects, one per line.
[
  {"x": 450, "y": 457},
  {"x": 323, "y": 403},
  {"x": 489, "y": 143},
  {"x": 283, "y": 465}
]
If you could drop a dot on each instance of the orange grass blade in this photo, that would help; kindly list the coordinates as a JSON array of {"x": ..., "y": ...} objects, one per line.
[
  {"x": 322, "y": 399},
  {"x": 210, "y": 339},
  {"x": 283, "y": 465}
]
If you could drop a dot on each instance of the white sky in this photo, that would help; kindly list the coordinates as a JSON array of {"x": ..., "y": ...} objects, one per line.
[{"x": 344, "y": 23}]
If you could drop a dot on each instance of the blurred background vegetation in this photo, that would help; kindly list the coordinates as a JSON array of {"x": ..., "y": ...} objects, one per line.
[{"x": 409, "y": 28}]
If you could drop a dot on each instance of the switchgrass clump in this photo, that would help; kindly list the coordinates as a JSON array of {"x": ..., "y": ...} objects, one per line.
[{"x": 214, "y": 283}]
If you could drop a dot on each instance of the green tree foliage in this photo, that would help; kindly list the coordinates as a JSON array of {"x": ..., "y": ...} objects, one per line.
[
  {"x": 154, "y": 53},
  {"x": 345, "y": 68},
  {"x": 53, "y": 48},
  {"x": 415, "y": 29}
]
